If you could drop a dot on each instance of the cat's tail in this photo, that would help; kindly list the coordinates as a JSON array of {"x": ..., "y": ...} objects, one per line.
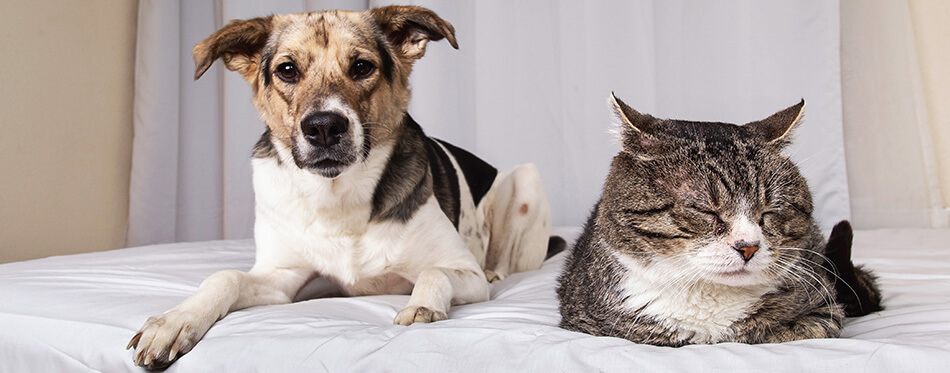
[
  {"x": 856, "y": 286},
  {"x": 556, "y": 244}
]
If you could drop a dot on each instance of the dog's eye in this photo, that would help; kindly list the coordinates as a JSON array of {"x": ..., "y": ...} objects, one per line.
[
  {"x": 287, "y": 72},
  {"x": 361, "y": 69}
]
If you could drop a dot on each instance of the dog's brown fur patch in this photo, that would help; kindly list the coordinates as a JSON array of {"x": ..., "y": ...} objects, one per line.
[{"x": 324, "y": 46}]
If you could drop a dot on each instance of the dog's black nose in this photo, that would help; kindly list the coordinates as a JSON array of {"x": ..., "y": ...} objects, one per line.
[{"x": 324, "y": 129}]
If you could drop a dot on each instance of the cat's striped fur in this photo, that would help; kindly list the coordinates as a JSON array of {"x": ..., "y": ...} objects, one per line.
[{"x": 704, "y": 233}]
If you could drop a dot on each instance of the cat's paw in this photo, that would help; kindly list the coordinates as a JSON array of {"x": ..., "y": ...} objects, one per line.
[
  {"x": 166, "y": 337},
  {"x": 414, "y": 314}
]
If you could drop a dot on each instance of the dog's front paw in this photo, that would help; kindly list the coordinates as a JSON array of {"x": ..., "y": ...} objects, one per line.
[
  {"x": 165, "y": 337},
  {"x": 416, "y": 314},
  {"x": 493, "y": 276}
]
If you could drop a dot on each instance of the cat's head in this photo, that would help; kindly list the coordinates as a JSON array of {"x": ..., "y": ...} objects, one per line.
[{"x": 708, "y": 201}]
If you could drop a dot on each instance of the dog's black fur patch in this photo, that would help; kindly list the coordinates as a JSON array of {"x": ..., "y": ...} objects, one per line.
[
  {"x": 406, "y": 183},
  {"x": 418, "y": 168},
  {"x": 479, "y": 175},
  {"x": 264, "y": 148},
  {"x": 445, "y": 181}
]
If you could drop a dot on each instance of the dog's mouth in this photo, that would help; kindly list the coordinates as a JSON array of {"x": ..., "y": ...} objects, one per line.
[{"x": 329, "y": 166}]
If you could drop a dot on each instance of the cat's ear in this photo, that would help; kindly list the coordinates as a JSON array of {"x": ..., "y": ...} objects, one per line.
[
  {"x": 630, "y": 119},
  {"x": 635, "y": 130},
  {"x": 776, "y": 128}
]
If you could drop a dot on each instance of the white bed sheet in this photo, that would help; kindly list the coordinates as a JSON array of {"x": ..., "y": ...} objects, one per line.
[{"x": 76, "y": 313}]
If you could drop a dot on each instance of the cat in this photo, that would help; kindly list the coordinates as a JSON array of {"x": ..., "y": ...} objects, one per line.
[{"x": 704, "y": 234}]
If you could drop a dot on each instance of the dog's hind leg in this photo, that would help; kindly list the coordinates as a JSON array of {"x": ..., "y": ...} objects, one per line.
[
  {"x": 165, "y": 337},
  {"x": 519, "y": 220}
]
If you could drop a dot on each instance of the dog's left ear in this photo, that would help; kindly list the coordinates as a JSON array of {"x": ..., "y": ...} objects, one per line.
[
  {"x": 409, "y": 28},
  {"x": 238, "y": 44}
]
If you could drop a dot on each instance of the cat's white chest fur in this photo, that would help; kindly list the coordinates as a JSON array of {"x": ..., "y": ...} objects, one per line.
[{"x": 700, "y": 311}]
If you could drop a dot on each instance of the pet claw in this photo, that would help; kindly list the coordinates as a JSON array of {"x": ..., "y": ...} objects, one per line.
[
  {"x": 148, "y": 358},
  {"x": 411, "y": 315},
  {"x": 134, "y": 342}
]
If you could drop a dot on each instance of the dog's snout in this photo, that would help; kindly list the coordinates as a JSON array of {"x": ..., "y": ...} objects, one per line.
[{"x": 324, "y": 129}]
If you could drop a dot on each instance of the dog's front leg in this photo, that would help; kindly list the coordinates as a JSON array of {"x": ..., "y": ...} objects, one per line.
[
  {"x": 165, "y": 337},
  {"x": 438, "y": 288}
]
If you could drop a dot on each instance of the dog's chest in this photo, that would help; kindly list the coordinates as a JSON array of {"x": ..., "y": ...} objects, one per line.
[{"x": 321, "y": 223}]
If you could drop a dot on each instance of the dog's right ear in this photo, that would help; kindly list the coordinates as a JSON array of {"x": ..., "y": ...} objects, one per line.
[
  {"x": 409, "y": 28},
  {"x": 238, "y": 44}
]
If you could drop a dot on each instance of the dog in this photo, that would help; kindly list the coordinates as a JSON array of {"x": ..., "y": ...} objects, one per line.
[{"x": 348, "y": 187}]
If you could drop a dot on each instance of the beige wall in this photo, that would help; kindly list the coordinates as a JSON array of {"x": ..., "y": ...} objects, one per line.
[{"x": 66, "y": 72}]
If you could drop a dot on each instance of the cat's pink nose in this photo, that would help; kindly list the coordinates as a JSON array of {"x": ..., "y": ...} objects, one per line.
[{"x": 747, "y": 251}]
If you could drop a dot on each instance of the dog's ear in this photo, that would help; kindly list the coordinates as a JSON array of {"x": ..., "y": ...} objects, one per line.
[
  {"x": 409, "y": 28},
  {"x": 238, "y": 44}
]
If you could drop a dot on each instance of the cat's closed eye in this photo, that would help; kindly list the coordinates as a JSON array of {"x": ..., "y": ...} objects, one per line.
[
  {"x": 711, "y": 219},
  {"x": 790, "y": 224}
]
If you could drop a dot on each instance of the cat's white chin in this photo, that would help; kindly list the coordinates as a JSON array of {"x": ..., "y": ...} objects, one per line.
[{"x": 740, "y": 277}]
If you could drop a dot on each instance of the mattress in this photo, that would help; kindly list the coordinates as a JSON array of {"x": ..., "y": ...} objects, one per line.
[{"x": 77, "y": 313}]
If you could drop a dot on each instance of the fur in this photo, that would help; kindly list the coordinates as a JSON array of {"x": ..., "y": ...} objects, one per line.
[
  {"x": 348, "y": 187},
  {"x": 704, "y": 234}
]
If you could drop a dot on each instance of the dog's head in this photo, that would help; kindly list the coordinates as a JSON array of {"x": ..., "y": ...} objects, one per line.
[{"x": 329, "y": 85}]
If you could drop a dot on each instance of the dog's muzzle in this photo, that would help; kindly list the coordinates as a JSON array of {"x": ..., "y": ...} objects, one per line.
[
  {"x": 327, "y": 148},
  {"x": 324, "y": 129}
]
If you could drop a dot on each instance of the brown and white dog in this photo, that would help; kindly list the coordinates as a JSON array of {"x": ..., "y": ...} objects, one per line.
[{"x": 347, "y": 185}]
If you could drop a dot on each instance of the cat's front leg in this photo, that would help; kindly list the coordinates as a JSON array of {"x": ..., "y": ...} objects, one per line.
[{"x": 771, "y": 327}]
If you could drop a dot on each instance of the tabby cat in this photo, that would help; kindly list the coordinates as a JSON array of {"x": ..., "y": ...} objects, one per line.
[{"x": 703, "y": 234}]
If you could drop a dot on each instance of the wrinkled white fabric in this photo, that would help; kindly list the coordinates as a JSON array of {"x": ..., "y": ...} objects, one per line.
[{"x": 77, "y": 313}]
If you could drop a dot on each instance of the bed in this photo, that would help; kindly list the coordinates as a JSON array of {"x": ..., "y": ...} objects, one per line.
[{"x": 76, "y": 313}]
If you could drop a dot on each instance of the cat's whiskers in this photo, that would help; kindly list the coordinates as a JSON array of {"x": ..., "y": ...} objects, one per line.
[
  {"x": 804, "y": 284},
  {"x": 833, "y": 270},
  {"x": 826, "y": 294},
  {"x": 795, "y": 278}
]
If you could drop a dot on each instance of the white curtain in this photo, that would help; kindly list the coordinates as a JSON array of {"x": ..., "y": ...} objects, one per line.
[
  {"x": 892, "y": 151},
  {"x": 529, "y": 83}
]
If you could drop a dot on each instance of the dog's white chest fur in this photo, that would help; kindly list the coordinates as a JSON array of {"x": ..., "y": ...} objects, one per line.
[
  {"x": 324, "y": 224},
  {"x": 303, "y": 220},
  {"x": 700, "y": 311}
]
